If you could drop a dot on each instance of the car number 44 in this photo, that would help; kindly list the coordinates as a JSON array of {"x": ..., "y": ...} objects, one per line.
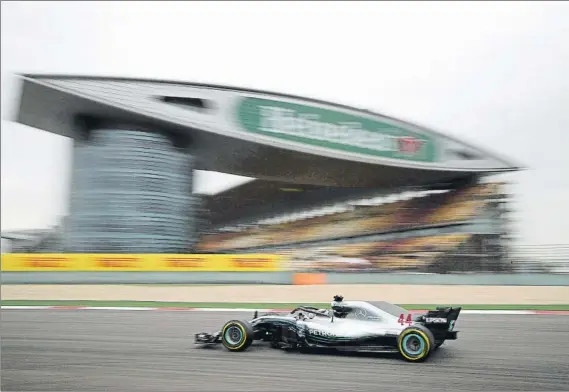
[{"x": 402, "y": 320}]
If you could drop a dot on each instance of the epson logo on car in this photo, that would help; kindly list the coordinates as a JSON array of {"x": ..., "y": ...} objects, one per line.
[
  {"x": 436, "y": 320},
  {"x": 321, "y": 333}
]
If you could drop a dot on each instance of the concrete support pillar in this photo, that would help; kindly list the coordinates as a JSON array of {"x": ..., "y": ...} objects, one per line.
[{"x": 131, "y": 193}]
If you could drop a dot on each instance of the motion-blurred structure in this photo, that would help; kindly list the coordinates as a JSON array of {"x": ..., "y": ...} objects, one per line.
[{"x": 335, "y": 187}]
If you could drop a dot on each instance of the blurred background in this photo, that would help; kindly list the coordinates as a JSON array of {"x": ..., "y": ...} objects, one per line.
[
  {"x": 121, "y": 192},
  {"x": 492, "y": 74}
]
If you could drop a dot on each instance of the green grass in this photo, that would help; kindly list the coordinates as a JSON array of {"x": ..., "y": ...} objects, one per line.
[{"x": 254, "y": 305}]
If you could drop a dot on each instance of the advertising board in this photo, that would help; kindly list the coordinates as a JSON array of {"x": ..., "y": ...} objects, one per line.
[
  {"x": 141, "y": 262},
  {"x": 334, "y": 130}
]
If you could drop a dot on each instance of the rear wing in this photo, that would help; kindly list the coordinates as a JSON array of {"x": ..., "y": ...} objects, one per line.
[{"x": 442, "y": 316}]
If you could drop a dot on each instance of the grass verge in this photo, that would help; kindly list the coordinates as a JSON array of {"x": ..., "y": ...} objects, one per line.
[{"x": 242, "y": 305}]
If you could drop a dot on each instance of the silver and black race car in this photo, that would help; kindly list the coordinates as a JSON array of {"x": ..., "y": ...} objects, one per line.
[{"x": 347, "y": 325}]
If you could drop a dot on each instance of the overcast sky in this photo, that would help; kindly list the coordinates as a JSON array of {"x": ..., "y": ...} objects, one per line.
[{"x": 495, "y": 74}]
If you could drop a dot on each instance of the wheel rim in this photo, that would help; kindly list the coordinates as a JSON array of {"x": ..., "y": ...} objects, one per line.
[
  {"x": 233, "y": 335},
  {"x": 413, "y": 344}
]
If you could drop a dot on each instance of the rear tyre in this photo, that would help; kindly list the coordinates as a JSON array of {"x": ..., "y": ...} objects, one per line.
[
  {"x": 237, "y": 335},
  {"x": 416, "y": 343}
]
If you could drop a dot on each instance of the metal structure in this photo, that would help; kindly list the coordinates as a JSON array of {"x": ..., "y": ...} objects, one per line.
[
  {"x": 137, "y": 143},
  {"x": 131, "y": 193}
]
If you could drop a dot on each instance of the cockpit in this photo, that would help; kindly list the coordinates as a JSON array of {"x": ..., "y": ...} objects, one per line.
[
  {"x": 352, "y": 310},
  {"x": 357, "y": 310}
]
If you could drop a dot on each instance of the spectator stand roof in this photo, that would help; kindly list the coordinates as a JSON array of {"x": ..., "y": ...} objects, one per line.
[{"x": 320, "y": 149}]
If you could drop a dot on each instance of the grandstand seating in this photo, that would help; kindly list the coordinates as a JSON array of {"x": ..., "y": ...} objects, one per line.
[
  {"x": 411, "y": 253},
  {"x": 360, "y": 239},
  {"x": 445, "y": 208},
  {"x": 457, "y": 211}
]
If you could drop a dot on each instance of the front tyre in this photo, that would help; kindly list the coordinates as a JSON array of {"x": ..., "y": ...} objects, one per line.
[
  {"x": 416, "y": 343},
  {"x": 237, "y": 335}
]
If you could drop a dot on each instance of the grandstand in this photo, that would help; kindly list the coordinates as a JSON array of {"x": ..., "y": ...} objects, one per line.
[
  {"x": 335, "y": 187},
  {"x": 441, "y": 230},
  {"x": 458, "y": 229}
]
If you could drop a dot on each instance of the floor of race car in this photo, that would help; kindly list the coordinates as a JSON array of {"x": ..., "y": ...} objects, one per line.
[{"x": 84, "y": 350}]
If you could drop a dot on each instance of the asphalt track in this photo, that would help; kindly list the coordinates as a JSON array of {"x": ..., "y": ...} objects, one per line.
[{"x": 69, "y": 350}]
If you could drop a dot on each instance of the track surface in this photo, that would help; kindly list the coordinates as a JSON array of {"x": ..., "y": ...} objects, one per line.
[{"x": 64, "y": 350}]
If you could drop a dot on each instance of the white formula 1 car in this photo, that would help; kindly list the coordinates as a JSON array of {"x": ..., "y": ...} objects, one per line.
[{"x": 346, "y": 326}]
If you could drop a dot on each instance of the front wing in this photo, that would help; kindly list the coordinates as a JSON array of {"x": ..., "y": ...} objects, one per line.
[{"x": 206, "y": 338}]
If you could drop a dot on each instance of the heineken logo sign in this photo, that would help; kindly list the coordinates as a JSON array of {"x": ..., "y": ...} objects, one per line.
[
  {"x": 409, "y": 145},
  {"x": 333, "y": 130}
]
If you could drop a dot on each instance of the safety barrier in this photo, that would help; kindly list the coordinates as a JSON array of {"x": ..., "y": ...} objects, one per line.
[
  {"x": 257, "y": 262},
  {"x": 141, "y": 262},
  {"x": 224, "y": 269},
  {"x": 281, "y": 278},
  {"x": 146, "y": 278}
]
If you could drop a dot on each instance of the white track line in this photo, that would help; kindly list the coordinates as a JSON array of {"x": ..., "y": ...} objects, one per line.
[{"x": 170, "y": 309}]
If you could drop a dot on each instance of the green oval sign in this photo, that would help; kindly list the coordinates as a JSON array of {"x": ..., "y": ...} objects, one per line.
[{"x": 333, "y": 130}]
